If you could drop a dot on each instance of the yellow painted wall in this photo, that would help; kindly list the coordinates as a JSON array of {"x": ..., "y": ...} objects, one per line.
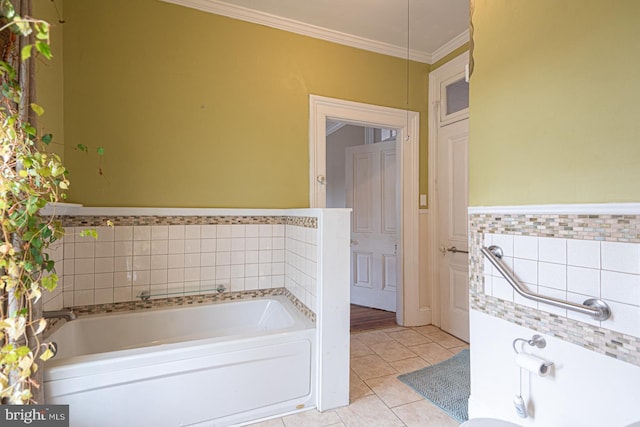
[
  {"x": 49, "y": 76},
  {"x": 554, "y": 109},
  {"x": 195, "y": 109}
]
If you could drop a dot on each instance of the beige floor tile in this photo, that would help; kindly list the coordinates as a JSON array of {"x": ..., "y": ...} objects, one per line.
[
  {"x": 357, "y": 387},
  {"x": 358, "y": 348},
  {"x": 409, "y": 365},
  {"x": 312, "y": 418},
  {"x": 340, "y": 424},
  {"x": 432, "y": 352},
  {"x": 392, "y": 391},
  {"x": 423, "y": 414},
  {"x": 446, "y": 340},
  {"x": 372, "y": 337},
  {"x": 391, "y": 351},
  {"x": 456, "y": 350},
  {"x": 408, "y": 337},
  {"x": 426, "y": 330},
  {"x": 371, "y": 366},
  {"x": 369, "y": 411},
  {"x": 275, "y": 422}
]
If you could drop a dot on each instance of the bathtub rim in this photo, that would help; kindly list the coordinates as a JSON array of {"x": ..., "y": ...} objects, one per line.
[{"x": 56, "y": 369}]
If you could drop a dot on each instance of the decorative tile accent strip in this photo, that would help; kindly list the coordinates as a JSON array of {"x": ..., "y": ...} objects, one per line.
[
  {"x": 96, "y": 221},
  {"x": 614, "y": 228},
  {"x": 119, "y": 307}
]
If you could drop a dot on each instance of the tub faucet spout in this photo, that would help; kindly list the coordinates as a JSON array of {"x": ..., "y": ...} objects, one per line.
[{"x": 59, "y": 314}]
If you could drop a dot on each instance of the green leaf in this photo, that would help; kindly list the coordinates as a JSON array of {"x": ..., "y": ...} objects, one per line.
[
  {"x": 48, "y": 354},
  {"x": 25, "y": 53},
  {"x": 47, "y": 138},
  {"x": 37, "y": 109},
  {"x": 100, "y": 151},
  {"x": 44, "y": 49},
  {"x": 50, "y": 282},
  {"x": 82, "y": 147}
]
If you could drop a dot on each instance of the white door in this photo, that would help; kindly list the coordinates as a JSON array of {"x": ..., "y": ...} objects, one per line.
[
  {"x": 452, "y": 201},
  {"x": 370, "y": 175}
]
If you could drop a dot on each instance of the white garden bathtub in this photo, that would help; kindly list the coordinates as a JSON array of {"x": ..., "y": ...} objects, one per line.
[{"x": 211, "y": 365}]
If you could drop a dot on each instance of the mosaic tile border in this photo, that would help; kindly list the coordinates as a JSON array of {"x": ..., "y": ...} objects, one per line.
[
  {"x": 615, "y": 228},
  {"x": 119, "y": 307},
  {"x": 97, "y": 221}
]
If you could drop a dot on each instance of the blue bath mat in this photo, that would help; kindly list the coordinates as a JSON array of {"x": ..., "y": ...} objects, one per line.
[{"x": 446, "y": 384}]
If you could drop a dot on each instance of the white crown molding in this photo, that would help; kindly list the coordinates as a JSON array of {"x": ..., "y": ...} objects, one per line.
[
  {"x": 291, "y": 25},
  {"x": 568, "y": 209},
  {"x": 450, "y": 46}
]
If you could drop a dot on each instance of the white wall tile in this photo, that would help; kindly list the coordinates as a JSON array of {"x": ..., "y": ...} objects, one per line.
[
  {"x": 159, "y": 232},
  {"x": 208, "y": 245},
  {"x": 505, "y": 242},
  {"x": 238, "y": 230},
  {"x": 176, "y": 246},
  {"x": 104, "y": 280},
  {"x": 208, "y": 231},
  {"x": 141, "y": 278},
  {"x": 123, "y": 248},
  {"x": 141, "y": 262},
  {"x": 123, "y": 233},
  {"x": 192, "y": 246},
  {"x": 104, "y": 249},
  {"x": 622, "y": 257},
  {"x": 141, "y": 247},
  {"x": 175, "y": 275},
  {"x": 192, "y": 260},
  {"x": 224, "y": 231},
  {"x": 502, "y": 289},
  {"x": 583, "y": 253},
  {"x": 252, "y": 230},
  {"x": 552, "y": 275},
  {"x": 526, "y": 270},
  {"x": 621, "y": 287},
  {"x": 192, "y": 232},
  {"x": 84, "y": 250},
  {"x": 175, "y": 261},
  {"x": 105, "y": 233},
  {"x": 207, "y": 259},
  {"x": 158, "y": 277},
  {"x": 624, "y": 318},
  {"x": 83, "y": 297},
  {"x": 176, "y": 232},
  {"x": 104, "y": 265},
  {"x": 141, "y": 232},
  {"x": 122, "y": 294},
  {"x": 104, "y": 296},
  {"x": 159, "y": 247},
  {"x": 552, "y": 250},
  {"x": 84, "y": 265},
  {"x": 525, "y": 247},
  {"x": 585, "y": 281}
]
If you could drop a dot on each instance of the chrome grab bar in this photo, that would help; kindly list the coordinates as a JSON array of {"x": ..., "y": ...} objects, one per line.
[{"x": 594, "y": 307}]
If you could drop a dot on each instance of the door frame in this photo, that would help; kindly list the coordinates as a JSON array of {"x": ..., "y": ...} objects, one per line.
[
  {"x": 435, "y": 78},
  {"x": 407, "y": 152}
]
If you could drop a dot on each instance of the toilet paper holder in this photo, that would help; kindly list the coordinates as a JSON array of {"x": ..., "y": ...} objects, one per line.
[{"x": 535, "y": 341}]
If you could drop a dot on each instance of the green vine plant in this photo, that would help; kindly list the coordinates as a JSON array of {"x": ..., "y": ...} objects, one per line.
[{"x": 30, "y": 178}]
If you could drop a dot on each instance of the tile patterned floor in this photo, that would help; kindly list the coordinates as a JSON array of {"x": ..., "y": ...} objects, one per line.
[{"x": 377, "y": 397}]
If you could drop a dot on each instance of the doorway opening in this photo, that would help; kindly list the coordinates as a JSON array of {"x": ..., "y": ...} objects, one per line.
[
  {"x": 406, "y": 124},
  {"x": 361, "y": 175}
]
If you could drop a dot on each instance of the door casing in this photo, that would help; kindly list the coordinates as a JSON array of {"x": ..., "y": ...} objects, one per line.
[{"x": 407, "y": 151}]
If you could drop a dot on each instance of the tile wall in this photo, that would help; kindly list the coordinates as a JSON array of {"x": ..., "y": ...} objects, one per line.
[
  {"x": 567, "y": 256},
  {"x": 572, "y": 270},
  {"x": 173, "y": 259}
]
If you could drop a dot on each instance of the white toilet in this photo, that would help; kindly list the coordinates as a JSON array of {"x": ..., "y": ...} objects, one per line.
[{"x": 487, "y": 422}]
